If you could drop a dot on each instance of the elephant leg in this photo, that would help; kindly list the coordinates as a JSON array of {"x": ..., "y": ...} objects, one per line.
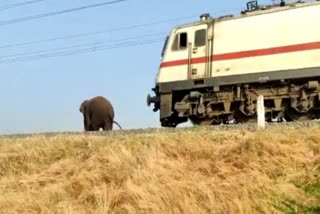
[
  {"x": 87, "y": 121},
  {"x": 108, "y": 124},
  {"x": 86, "y": 125},
  {"x": 95, "y": 127}
]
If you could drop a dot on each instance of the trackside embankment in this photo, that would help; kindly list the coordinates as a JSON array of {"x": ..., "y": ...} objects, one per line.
[{"x": 276, "y": 170}]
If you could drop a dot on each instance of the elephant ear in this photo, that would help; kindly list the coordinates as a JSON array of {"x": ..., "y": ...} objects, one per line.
[{"x": 83, "y": 106}]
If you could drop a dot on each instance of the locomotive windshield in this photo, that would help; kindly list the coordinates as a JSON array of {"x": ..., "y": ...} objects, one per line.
[{"x": 164, "y": 46}]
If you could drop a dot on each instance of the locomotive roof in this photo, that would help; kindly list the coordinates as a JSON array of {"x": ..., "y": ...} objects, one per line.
[{"x": 262, "y": 10}]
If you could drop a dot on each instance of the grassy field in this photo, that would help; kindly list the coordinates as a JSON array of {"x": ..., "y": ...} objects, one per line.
[{"x": 195, "y": 170}]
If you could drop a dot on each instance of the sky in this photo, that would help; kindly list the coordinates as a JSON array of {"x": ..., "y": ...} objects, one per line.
[{"x": 44, "y": 94}]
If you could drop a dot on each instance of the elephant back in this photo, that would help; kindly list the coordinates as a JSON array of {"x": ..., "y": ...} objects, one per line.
[{"x": 102, "y": 105}]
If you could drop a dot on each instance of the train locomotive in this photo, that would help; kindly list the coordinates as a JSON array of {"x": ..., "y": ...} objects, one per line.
[{"x": 213, "y": 70}]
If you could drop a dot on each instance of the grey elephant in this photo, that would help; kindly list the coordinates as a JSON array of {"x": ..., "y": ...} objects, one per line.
[{"x": 98, "y": 113}]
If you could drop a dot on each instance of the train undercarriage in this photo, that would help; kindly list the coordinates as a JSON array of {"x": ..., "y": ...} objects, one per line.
[{"x": 294, "y": 100}]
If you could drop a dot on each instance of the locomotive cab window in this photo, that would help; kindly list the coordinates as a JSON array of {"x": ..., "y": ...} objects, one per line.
[
  {"x": 164, "y": 46},
  {"x": 180, "y": 42},
  {"x": 200, "y": 38}
]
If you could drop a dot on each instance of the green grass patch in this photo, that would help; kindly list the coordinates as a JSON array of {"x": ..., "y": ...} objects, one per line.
[{"x": 313, "y": 189}]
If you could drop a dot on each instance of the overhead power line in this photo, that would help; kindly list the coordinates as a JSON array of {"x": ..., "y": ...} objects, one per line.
[
  {"x": 82, "y": 50},
  {"x": 39, "y": 16},
  {"x": 86, "y": 34},
  {"x": 10, "y": 6},
  {"x": 84, "y": 45}
]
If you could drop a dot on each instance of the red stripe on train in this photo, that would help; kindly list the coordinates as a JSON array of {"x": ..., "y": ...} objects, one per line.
[{"x": 244, "y": 54}]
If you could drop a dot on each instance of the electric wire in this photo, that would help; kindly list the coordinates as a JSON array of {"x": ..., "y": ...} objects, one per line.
[
  {"x": 84, "y": 45},
  {"x": 86, "y": 34},
  {"x": 20, "y": 4},
  {"x": 44, "y": 15},
  {"x": 83, "y": 50}
]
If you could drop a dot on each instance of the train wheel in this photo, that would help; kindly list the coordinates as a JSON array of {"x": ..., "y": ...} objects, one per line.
[
  {"x": 242, "y": 118},
  {"x": 173, "y": 121},
  {"x": 292, "y": 115},
  {"x": 203, "y": 121}
]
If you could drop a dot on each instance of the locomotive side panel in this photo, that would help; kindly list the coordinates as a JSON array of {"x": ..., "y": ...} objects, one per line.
[{"x": 267, "y": 42}]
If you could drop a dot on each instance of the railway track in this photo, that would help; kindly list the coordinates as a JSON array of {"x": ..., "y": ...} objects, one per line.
[{"x": 248, "y": 126}]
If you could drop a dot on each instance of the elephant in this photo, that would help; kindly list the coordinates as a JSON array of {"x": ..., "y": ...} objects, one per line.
[{"x": 98, "y": 113}]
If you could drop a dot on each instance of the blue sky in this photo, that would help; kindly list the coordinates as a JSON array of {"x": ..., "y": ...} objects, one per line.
[{"x": 43, "y": 95}]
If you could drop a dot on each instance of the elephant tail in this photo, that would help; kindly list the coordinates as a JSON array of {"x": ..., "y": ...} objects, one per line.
[{"x": 117, "y": 124}]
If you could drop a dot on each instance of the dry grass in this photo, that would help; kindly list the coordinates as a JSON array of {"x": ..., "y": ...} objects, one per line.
[{"x": 188, "y": 171}]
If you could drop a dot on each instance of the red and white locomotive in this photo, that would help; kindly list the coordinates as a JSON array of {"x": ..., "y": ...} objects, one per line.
[{"x": 213, "y": 70}]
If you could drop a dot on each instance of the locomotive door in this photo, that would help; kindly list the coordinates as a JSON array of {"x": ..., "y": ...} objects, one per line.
[{"x": 198, "y": 66}]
